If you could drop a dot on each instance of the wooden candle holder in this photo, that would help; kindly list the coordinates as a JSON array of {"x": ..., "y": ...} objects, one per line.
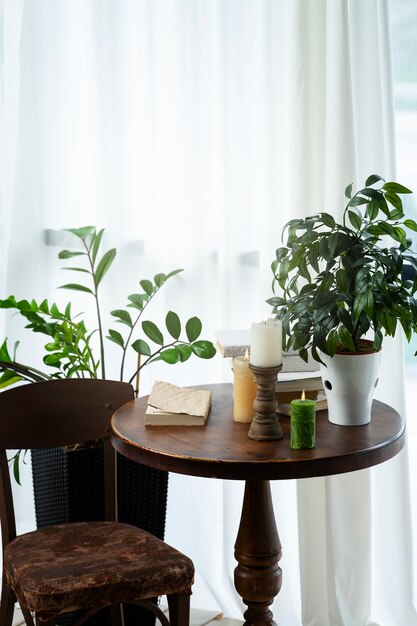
[{"x": 265, "y": 425}]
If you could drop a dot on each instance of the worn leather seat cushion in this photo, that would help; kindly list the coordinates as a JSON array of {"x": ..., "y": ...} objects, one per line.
[{"x": 92, "y": 563}]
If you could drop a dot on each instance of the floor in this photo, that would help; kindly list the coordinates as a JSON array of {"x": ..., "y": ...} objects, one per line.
[{"x": 199, "y": 617}]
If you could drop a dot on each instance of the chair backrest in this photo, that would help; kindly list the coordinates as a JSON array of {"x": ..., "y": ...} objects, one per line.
[{"x": 58, "y": 413}]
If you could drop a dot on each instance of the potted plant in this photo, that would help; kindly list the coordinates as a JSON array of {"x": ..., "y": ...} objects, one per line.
[
  {"x": 69, "y": 485},
  {"x": 342, "y": 291},
  {"x": 71, "y": 347}
]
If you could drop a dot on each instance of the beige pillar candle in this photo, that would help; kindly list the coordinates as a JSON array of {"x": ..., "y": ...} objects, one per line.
[{"x": 244, "y": 390}]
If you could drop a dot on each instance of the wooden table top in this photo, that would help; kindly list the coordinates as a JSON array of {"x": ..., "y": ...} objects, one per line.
[{"x": 222, "y": 448}]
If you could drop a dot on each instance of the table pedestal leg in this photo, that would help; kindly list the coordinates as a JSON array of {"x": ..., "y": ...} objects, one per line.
[{"x": 258, "y": 550}]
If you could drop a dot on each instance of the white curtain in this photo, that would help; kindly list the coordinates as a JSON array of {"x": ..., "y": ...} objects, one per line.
[{"x": 192, "y": 130}]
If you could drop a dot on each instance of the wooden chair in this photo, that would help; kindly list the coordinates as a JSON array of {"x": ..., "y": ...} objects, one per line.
[{"x": 89, "y": 565}]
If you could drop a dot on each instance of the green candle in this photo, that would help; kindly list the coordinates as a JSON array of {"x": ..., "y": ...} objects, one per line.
[{"x": 303, "y": 424}]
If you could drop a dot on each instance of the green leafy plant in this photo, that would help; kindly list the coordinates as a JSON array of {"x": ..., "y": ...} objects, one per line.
[
  {"x": 73, "y": 350},
  {"x": 339, "y": 282}
]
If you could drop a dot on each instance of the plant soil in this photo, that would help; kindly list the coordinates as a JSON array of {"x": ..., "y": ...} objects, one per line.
[{"x": 365, "y": 346}]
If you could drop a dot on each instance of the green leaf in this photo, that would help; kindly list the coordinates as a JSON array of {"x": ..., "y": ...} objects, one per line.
[
  {"x": 174, "y": 273},
  {"x": 359, "y": 304},
  {"x": 76, "y": 269},
  {"x": 300, "y": 341},
  {"x": 396, "y": 188},
  {"x": 313, "y": 257},
  {"x": 328, "y": 220},
  {"x": 369, "y": 303},
  {"x": 370, "y": 192},
  {"x": 373, "y": 178},
  {"x": 123, "y": 317},
  {"x": 396, "y": 214},
  {"x": 116, "y": 337},
  {"x": 355, "y": 219},
  {"x": 388, "y": 322},
  {"x": 96, "y": 245},
  {"x": 52, "y": 359},
  {"x": 342, "y": 280},
  {"x": 400, "y": 235},
  {"x": 152, "y": 331},
  {"x": 345, "y": 319},
  {"x": 138, "y": 300},
  {"x": 142, "y": 347},
  {"x": 171, "y": 355},
  {"x": 394, "y": 200},
  {"x": 82, "y": 232},
  {"x": 281, "y": 253},
  {"x": 4, "y": 352},
  {"x": 103, "y": 266},
  {"x": 326, "y": 282},
  {"x": 372, "y": 210},
  {"x": 173, "y": 324},
  {"x": 283, "y": 271},
  {"x": 332, "y": 341},
  {"x": 68, "y": 254},
  {"x": 345, "y": 339},
  {"x": 16, "y": 469},
  {"x": 276, "y": 301},
  {"x": 75, "y": 287},
  {"x": 302, "y": 268},
  {"x": 193, "y": 328},
  {"x": 8, "y": 303},
  {"x": 147, "y": 287},
  {"x": 357, "y": 201},
  {"x": 203, "y": 349},
  {"x": 411, "y": 224},
  {"x": 160, "y": 279},
  {"x": 296, "y": 256},
  {"x": 51, "y": 347},
  {"x": 44, "y": 307},
  {"x": 348, "y": 191},
  {"x": 9, "y": 378},
  {"x": 185, "y": 351}
]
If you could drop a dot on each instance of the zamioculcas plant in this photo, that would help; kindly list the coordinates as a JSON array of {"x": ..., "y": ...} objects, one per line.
[{"x": 74, "y": 350}]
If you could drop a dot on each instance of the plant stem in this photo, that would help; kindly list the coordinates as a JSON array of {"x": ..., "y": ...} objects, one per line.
[
  {"x": 122, "y": 365},
  {"x": 100, "y": 328},
  {"x": 137, "y": 376},
  {"x": 29, "y": 373},
  {"x": 152, "y": 356}
]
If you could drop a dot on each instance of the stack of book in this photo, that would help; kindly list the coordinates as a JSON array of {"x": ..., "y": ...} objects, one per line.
[
  {"x": 288, "y": 389},
  {"x": 290, "y": 386},
  {"x": 233, "y": 343}
]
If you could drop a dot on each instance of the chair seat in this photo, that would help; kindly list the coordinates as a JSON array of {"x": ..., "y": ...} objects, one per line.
[{"x": 76, "y": 566}]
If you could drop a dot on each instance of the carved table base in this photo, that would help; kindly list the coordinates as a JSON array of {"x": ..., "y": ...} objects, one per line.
[{"x": 258, "y": 550}]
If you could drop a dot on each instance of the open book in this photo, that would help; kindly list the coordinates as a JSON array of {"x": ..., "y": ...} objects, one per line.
[{"x": 169, "y": 405}]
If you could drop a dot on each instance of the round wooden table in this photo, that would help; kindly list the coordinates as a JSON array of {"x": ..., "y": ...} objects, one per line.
[{"x": 222, "y": 449}]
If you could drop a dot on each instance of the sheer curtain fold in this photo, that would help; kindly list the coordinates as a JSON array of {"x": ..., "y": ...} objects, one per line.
[{"x": 193, "y": 131}]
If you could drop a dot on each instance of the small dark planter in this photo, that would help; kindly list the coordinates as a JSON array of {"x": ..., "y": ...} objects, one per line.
[{"x": 69, "y": 487}]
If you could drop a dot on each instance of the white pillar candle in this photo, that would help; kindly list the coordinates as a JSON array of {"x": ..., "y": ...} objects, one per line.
[{"x": 266, "y": 343}]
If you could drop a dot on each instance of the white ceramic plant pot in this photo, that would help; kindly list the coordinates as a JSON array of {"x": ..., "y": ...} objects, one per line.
[{"x": 350, "y": 381}]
